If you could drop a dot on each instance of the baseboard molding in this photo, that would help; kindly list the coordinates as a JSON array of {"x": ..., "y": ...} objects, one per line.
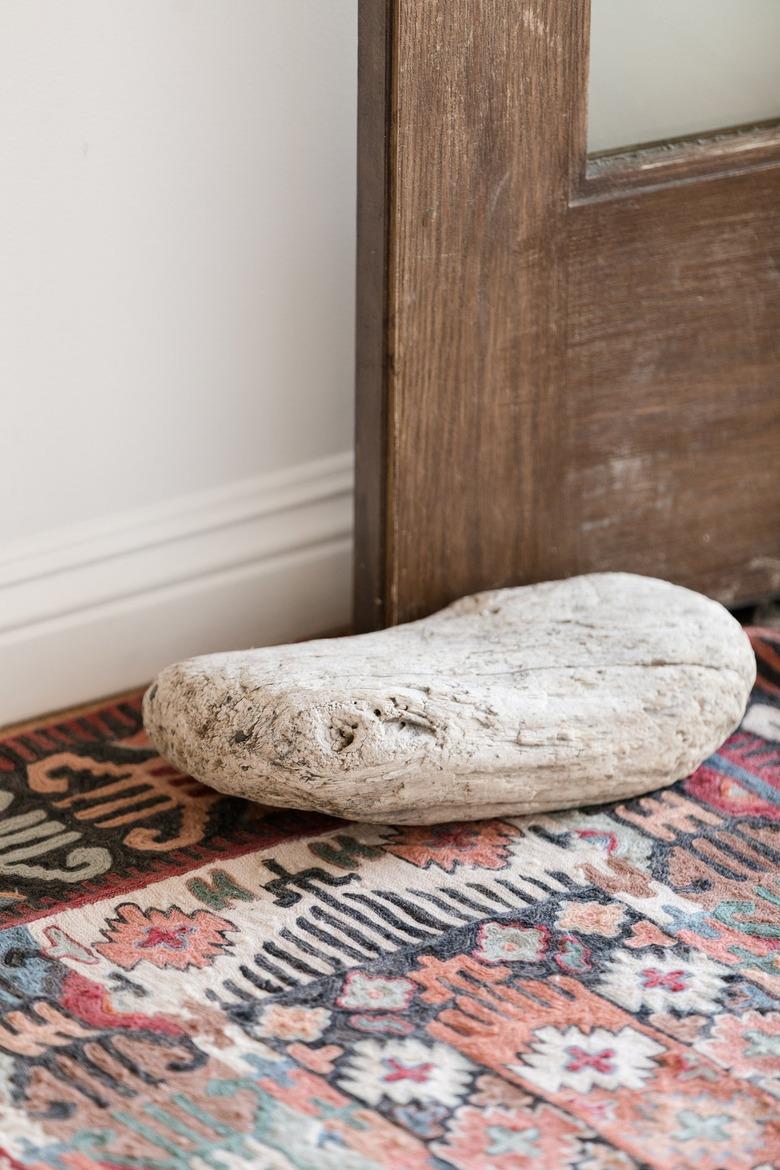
[{"x": 100, "y": 607}]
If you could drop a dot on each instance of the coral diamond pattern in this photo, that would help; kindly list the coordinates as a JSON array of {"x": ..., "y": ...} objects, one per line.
[
  {"x": 189, "y": 981},
  {"x": 164, "y": 938}
]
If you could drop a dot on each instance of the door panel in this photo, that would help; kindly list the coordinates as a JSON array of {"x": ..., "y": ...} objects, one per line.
[
  {"x": 562, "y": 365},
  {"x": 672, "y": 388}
]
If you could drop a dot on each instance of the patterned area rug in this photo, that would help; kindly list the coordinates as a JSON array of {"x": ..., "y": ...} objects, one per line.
[{"x": 187, "y": 981}]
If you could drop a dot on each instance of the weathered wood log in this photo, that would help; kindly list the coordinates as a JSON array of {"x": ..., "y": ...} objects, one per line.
[{"x": 513, "y": 701}]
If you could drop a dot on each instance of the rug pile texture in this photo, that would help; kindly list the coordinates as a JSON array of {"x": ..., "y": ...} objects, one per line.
[{"x": 190, "y": 981}]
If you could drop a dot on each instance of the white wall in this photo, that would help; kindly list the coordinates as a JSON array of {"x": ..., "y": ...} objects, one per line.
[{"x": 176, "y": 332}]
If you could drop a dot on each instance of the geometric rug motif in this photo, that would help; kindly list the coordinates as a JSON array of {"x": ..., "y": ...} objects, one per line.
[{"x": 189, "y": 981}]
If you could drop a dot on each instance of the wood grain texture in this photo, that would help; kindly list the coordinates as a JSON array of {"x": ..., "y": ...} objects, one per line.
[
  {"x": 580, "y": 367},
  {"x": 509, "y": 702},
  {"x": 731, "y": 151},
  {"x": 479, "y": 295},
  {"x": 372, "y": 335},
  {"x": 674, "y": 385}
]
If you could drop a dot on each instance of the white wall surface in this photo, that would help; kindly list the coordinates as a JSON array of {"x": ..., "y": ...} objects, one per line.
[
  {"x": 177, "y": 199},
  {"x": 665, "y": 68}
]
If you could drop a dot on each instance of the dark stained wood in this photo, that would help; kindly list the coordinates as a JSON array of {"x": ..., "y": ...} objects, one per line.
[
  {"x": 732, "y": 151},
  {"x": 479, "y": 162},
  {"x": 375, "y": 32},
  {"x": 580, "y": 365},
  {"x": 674, "y": 385}
]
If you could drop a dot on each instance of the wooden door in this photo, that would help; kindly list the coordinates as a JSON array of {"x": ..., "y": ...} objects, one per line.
[{"x": 563, "y": 364}]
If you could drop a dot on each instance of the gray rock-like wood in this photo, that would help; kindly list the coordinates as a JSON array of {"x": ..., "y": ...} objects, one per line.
[{"x": 512, "y": 701}]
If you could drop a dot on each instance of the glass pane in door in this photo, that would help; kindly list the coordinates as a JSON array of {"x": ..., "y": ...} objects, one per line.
[{"x": 665, "y": 68}]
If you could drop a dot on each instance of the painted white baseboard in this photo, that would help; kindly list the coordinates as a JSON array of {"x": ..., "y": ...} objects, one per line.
[{"x": 101, "y": 607}]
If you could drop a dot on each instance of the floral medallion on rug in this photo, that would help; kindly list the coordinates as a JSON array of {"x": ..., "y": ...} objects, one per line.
[{"x": 190, "y": 981}]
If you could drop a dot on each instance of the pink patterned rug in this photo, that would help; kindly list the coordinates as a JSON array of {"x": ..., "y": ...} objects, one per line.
[{"x": 188, "y": 981}]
